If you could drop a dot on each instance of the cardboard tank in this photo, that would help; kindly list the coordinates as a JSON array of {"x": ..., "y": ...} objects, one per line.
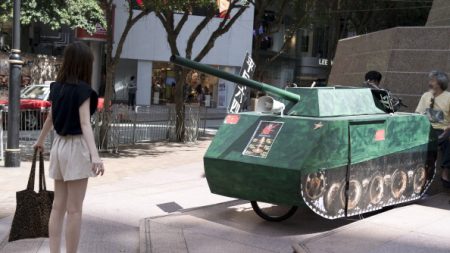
[{"x": 330, "y": 148}]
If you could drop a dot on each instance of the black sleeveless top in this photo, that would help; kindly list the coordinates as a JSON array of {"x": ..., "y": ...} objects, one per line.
[{"x": 66, "y": 100}]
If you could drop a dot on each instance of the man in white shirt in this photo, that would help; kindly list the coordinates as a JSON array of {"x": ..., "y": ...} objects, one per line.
[{"x": 435, "y": 103}]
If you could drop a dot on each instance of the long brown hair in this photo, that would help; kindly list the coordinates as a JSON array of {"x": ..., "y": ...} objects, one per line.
[{"x": 77, "y": 64}]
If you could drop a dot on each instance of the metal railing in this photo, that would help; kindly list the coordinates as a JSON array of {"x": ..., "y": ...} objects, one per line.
[
  {"x": 126, "y": 126},
  {"x": 31, "y": 122},
  {"x": 145, "y": 124}
]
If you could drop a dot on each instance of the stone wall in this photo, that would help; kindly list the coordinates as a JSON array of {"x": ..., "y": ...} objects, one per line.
[
  {"x": 404, "y": 55},
  {"x": 439, "y": 13}
]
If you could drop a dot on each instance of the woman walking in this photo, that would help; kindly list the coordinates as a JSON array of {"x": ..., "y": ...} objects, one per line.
[{"x": 74, "y": 156}]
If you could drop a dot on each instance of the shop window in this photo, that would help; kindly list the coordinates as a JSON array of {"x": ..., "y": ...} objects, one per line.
[{"x": 305, "y": 43}]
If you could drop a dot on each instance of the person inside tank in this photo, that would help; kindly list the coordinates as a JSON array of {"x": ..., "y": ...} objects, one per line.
[
  {"x": 435, "y": 104},
  {"x": 384, "y": 99},
  {"x": 372, "y": 79}
]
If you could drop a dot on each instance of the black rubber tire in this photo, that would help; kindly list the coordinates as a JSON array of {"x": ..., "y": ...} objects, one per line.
[{"x": 267, "y": 217}]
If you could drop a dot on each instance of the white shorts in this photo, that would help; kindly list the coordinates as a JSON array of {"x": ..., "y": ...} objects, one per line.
[{"x": 70, "y": 158}]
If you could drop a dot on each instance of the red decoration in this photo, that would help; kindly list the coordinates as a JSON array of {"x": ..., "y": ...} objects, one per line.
[
  {"x": 268, "y": 129},
  {"x": 232, "y": 119},
  {"x": 380, "y": 135}
]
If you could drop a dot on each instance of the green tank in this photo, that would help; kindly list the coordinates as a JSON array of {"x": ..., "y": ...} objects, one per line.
[{"x": 330, "y": 148}]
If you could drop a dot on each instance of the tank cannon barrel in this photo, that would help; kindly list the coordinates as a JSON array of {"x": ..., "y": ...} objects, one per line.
[{"x": 235, "y": 78}]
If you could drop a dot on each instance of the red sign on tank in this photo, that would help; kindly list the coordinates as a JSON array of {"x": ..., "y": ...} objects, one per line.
[
  {"x": 380, "y": 135},
  {"x": 232, "y": 119}
]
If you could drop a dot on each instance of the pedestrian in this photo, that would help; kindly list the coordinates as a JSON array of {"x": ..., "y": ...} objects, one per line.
[
  {"x": 200, "y": 93},
  {"x": 435, "y": 103},
  {"x": 74, "y": 156},
  {"x": 132, "y": 88}
]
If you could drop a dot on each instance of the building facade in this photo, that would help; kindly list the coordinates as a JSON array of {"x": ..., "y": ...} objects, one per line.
[
  {"x": 301, "y": 59},
  {"x": 404, "y": 55},
  {"x": 146, "y": 55}
]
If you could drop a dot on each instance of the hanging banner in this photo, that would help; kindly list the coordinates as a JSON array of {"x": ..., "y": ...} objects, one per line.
[{"x": 241, "y": 94}]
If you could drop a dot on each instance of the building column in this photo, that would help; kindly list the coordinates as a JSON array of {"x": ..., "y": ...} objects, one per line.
[
  {"x": 225, "y": 89},
  {"x": 96, "y": 48},
  {"x": 144, "y": 82}
]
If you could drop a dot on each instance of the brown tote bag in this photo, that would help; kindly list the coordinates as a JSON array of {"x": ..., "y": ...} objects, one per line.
[{"x": 33, "y": 208}]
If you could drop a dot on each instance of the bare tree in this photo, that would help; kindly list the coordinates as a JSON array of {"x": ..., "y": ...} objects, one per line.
[
  {"x": 112, "y": 59},
  {"x": 167, "y": 15}
]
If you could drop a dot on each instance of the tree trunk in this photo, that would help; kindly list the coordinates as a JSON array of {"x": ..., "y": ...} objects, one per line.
[
  {"x": 110, "y": 69},
  {"x": 106, "y": 115},
  {"x": 180, "y": 129}
]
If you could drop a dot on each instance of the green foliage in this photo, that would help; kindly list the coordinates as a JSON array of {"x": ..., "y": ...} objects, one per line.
[
  {"x": 5, "y": 11},
  {"x": 55, "y": 13}
]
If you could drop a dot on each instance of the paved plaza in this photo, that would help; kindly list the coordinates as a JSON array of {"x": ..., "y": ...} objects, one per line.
[{"x": 161, "y": 203}]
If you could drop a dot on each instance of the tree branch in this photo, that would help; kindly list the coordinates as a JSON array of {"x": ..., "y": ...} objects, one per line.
[
  {"x": 223, "y": 28},
  {"x": 131, "y": 21},
  {"x": 182, "y": 21},
  {"x": 198, "y": 29},
  {"x": 171, "y": 36}
]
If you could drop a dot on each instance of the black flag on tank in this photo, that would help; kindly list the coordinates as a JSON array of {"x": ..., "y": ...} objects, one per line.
[{"x": 241, "y": 95}]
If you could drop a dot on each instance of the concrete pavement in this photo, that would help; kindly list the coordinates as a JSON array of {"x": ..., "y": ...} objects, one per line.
[
  {"x": 163, "y": 181},
  {"x": 98, "y": 235},
  {"x": 233, "y": 227},
  {"x": 422, "y": 227},
  {"x": 230, "y": 227},
  {"x": 148, "y": 180}
]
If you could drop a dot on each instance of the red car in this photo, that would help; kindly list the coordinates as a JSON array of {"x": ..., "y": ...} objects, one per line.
[{"x": 34, "y": 106}]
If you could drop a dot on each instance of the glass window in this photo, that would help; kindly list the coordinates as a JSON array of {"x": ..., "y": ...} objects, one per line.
[
  {"x": 305, "y": 43},
  {"x": 35, "y": 92}
]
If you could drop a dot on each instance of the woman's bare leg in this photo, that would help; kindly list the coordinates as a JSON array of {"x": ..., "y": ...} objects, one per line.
[
  {"x": 57, "y": 216},
  {"x": 76, "y": 191}
]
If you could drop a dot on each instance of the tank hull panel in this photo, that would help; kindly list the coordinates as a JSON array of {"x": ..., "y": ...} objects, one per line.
[{"x": 338, "y": 166}]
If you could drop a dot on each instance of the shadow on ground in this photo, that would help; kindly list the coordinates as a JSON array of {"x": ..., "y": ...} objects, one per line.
[
  {"x": 240, "y": 216},
  {"x": 150, "y": 149}
]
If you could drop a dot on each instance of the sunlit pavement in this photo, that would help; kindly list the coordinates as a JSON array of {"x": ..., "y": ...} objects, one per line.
[
  {"x": 233, "y": 227},
  {"x": 422, "y": 227},
  {"x": 153, "y": 198},
  {"x": 136, "y": 184}
]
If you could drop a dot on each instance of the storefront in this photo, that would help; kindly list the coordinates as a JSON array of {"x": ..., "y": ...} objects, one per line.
[
  {"x": 146, "y": 53},
  {"x": 312, "y": 69},
  {"x": 198, "y": 87}
]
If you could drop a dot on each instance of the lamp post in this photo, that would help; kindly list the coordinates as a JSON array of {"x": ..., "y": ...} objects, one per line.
[{"x": 12, "y": 151}]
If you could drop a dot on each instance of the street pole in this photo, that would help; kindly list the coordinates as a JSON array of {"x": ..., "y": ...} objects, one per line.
[{"x": 12, "y": 151}]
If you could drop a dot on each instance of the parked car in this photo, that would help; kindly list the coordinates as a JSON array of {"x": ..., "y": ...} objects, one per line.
[{"x": 34, "y": 106}]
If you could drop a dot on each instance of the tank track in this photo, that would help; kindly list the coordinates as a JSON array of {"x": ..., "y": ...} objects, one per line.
[{"x": 369, "y": 186}]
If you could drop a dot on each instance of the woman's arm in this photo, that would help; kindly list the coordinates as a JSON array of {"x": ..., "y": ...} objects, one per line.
[
  {"x": 48, "y": 125},
  {"x": 88, "y": 135}
]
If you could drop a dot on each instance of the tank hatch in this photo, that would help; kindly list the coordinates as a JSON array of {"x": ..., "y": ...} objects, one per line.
[{"x": 333, "y": 101}]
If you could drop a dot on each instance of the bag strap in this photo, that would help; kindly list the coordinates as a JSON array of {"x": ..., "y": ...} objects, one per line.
[
  {"x": 42, "y": 184},
  {"x": 30, "y": 185}
]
